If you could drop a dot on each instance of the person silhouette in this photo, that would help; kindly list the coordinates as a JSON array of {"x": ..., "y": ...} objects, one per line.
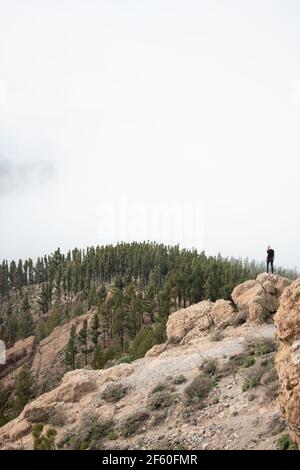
[{"x": 270, "y": 259}]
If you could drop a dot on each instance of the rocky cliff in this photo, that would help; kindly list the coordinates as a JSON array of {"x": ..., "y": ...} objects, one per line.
[
  {"x": 287, "y": 320},
  {"x": 212, "y": 385},
  {"x": 46, "y": 359}
]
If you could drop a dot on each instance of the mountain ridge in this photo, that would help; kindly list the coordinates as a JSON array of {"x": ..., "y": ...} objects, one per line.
[{"x": 153, "y": 401}]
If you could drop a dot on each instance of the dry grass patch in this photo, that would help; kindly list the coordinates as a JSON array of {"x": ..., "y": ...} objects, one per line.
[
  {"x": 217, "y": 335},
  {"x": 132, "y": 423},
  {"x": 114, "y": 392}
]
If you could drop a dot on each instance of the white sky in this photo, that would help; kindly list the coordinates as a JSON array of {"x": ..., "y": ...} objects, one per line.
[{"x": 175, "y": 121}]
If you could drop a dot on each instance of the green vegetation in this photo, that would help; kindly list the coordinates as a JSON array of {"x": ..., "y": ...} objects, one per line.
[
  {"x": 82, "y": 338},
  {"x": 149, "y": 280},
  {"x": 90, "y": 433},
  {"x": 70, "y": 356},
  {"x": 209, "y": 367},
  {"x": 24, "y": 390},
  {"x": 259, "y": 346},
  {"x": 178, "y": 380},
  {"x": 215, "y": 400},
  {"x": 161, "y": 399},
  {"x": 249, "y": 361},
  {"x": 132, "y": 424},
  {"x": 43, "y": 441},
  {"x": 285, "y": 443},
  {"x": 260, "y": 374},
  {"x": 199, "y": 389},
  {"x": 130, "y": 287},
  {"x": 4, "y": 397},
  {"x": 159, "y": 388},
  {"x": 112, "y": 436},
  {"x": 113, "y": 392}
]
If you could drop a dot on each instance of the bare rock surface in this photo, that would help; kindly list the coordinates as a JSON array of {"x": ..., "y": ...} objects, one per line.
[
  {"x": 80, "y": 393},
  {"x": 232, "y": 417},
  {"x": 260, "y": 297},
  {"x": 287, "y": 320}
]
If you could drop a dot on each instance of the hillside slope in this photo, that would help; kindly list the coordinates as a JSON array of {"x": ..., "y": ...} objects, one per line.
[{"x": 212, "y": 385}]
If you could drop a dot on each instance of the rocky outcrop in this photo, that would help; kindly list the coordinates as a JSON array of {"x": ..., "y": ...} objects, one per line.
[
  {"x": 64, "y": 406},
  {"x": 46, "y": 359},
  {"x": 287, "y": 320},
  {"x": 80, "y": 405},
  {"x": 21, "y": 353},
  {"x": 189, "y": 342},
  {"x": 181, "y": 322},
  {"x": 222, "y": 311},
  {"x": 260, "y": 297},
  {"x": 49, "y": 361}
]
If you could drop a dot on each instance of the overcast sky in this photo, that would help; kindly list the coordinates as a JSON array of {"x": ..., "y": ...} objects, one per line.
[{"x": 174, "y": 121}]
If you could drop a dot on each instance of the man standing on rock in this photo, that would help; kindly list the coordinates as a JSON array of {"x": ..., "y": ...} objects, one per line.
[{"x": 270, "y": 259}]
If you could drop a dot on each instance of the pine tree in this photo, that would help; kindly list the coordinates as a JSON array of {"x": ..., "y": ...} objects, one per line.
[
  {"x": 149, "y": 303},
  {"x": 55, "y": 318},
  {"x": 25, "y": 327},
  {"x": 98, "y": 358},
  {"x": 133, "y": 319},
  {"x": 95, "y": 329},
  {"x": 102, "y": 294},
  {"x": 149, "y": 280},
  {"x": 92, "y": 297},
  {"x": 45, "y": 297},
  {"x": 24, "y": 390},
  {"x": 43, "y": 441},
  {"x": 143, "y": 341},
  {"x": 70, "y": 355},
  {"x": 11, "y": 328},
  {"x": 82, "y": 339},
  {"x": 4, "y": 395},
  {"x": 41, "y": 330},
  {"x": 118, "y": 325},
  {"x": 210, "y": 287},
  {"x": 164, "y": 304}
]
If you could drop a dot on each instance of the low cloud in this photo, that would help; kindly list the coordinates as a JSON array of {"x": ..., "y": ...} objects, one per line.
[{"x": 15, "y": 176}]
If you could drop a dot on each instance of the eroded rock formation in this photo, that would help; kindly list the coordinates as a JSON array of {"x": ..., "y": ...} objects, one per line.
[
  {"x": 189, "y": 342},
  {"x": 287, "y": 320},
  {"x": 260, "y": 297}
]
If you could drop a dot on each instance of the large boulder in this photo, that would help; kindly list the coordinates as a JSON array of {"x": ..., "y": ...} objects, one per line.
[
  {"x": 183, "y": 321},
  {"x": 260, "y": 297},
  {"x": 222, "y": 311},
  {"x": 287, "y": 321},
  {"x": 186, "y": 325}
]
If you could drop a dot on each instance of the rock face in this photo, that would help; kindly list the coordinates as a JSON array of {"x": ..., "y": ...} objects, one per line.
[
  {"x": 21, "y": 353},
  {"x": 49, "y": 360},
  {"x": 260, "y": 297},
  {"x": 46, "y": 359},
  {"x": 74, "y": 407},
  {"x": 287, "y": 320},
  {"x": 181, "y": 322},
  {"x": 188, "y": 324},
  {"x": 63, "y": 405},
  {"x": 79, "y": 394},
  {"x": 222, "y": 311}
]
